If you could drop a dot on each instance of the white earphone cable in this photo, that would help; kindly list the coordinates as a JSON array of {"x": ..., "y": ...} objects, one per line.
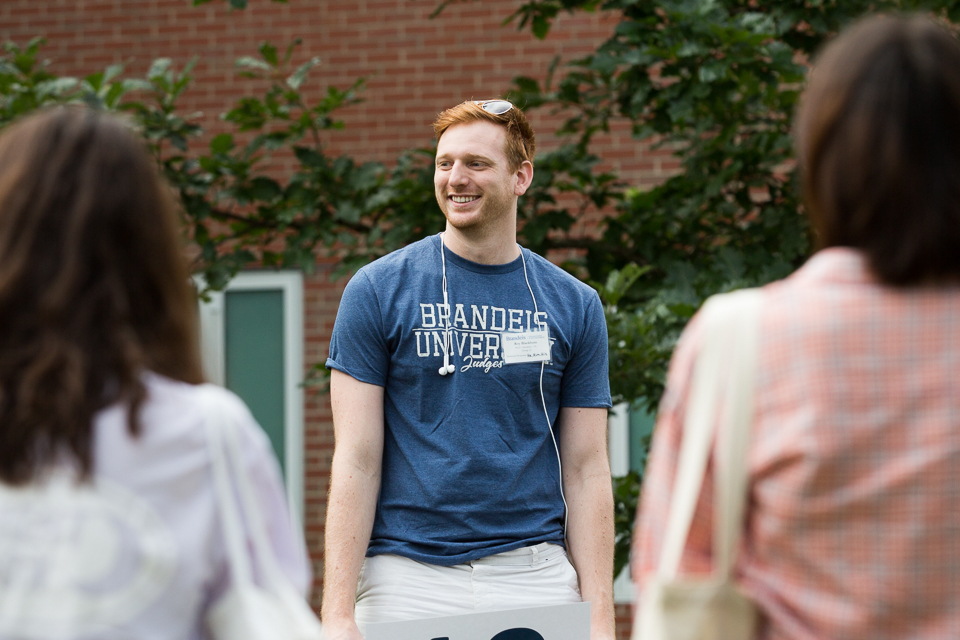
[
  {"x": 543, "y": 401},
  {"x": 447, "y": 342}
]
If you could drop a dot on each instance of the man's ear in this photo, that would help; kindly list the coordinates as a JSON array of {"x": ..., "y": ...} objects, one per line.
[{"x": 524, "y": 178}]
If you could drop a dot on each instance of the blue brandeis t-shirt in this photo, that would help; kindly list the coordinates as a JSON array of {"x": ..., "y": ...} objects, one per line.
[{"x": 469, "y": 467}]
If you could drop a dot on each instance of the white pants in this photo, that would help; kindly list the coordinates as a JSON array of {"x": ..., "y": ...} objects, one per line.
[{"x": 393, "y": 588}]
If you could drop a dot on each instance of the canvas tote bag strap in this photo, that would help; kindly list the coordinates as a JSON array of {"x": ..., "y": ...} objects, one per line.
[
  {"x": 263, "y": 550},
  {"x": 230, "y": 519},
  {"x": 728, "y": 322},
  {"x": 734, "y": 439}
]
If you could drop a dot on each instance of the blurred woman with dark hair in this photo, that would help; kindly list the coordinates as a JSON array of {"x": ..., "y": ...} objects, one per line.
[
  {"x": 108, "y": 516},
  {"x": 853, "y": 504}
]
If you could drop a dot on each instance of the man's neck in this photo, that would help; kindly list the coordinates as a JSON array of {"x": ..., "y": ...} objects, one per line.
[{"x": 482, "y": 246}]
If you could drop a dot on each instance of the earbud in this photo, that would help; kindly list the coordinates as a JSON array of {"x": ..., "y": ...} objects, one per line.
[{"x": 444, "y": 370}]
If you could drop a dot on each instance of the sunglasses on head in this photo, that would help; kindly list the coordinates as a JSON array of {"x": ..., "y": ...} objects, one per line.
[{"x": 494, "y": 107}]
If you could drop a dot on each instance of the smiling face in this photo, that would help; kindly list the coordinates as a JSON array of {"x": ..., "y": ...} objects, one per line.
[{"x": 473, "y": 181}]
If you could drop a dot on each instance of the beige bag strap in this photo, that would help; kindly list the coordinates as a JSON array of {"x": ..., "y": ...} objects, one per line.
[
  {"x": 239, "y": 506},
  {"x": 728, "y": 352},
  {"x": 231, "y": 519}
]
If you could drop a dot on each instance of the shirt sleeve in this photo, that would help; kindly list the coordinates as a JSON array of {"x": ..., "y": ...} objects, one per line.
[
  {"x": 661, "y": 470},
  {"x": 586, "y": 378},
  {"x": 358, "y": 345}
]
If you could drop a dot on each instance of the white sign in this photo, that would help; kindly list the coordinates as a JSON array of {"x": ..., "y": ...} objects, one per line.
[
  {"x": 559, "y": 622},
  {"x": 525, "y": 346}
]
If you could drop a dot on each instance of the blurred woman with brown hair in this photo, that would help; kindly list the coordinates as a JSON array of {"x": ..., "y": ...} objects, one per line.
[
  {"x": 853, "y": 503},
  {"x": 108, "y": 517}
]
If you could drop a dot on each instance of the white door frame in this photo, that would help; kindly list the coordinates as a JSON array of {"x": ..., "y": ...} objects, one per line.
[{"x": 213, "y": 349}]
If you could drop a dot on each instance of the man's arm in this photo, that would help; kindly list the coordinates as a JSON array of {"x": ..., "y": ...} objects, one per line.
[
  {"x": 589, "y": 493},
  {"x": 354, "y": 484}
]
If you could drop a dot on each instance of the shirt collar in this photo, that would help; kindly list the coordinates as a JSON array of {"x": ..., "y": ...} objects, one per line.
[{"x": 836, "y": 264}]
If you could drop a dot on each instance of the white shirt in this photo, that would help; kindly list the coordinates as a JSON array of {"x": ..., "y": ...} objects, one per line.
[{"x": 138, "y": 552}]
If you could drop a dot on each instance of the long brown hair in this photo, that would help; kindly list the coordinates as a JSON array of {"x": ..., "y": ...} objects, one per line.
[
  {"x": 878, "y": 137},
  {"x": 94, "y": 289}
]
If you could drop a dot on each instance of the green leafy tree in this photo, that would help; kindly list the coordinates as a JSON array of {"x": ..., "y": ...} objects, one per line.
[
  {"x": 716, "y": 82},
  {"x": 237, "y": 209}
]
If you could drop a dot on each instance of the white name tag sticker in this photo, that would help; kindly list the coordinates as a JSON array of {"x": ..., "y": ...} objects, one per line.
[{"x": 525, "y": 346}]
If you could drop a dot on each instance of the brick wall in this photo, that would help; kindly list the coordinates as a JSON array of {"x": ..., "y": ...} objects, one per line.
[
  {"x": 320, "y": 299},
  {"x": 414, "y": 68}
]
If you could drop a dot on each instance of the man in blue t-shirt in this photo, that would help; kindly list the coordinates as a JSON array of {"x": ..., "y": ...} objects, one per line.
[{"x": 470, "y": 392}]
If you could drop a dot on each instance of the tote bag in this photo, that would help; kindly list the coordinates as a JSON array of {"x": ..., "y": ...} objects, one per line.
[
  {"x": 710, "y": 608},
  {"x": 248, "y": 611}
]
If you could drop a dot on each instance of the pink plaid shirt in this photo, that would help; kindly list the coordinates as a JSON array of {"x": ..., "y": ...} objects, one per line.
[{"x": 853, "y": 524}]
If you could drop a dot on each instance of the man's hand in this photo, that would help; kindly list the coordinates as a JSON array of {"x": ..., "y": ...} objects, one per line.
[
  {"x": 600, "y": 630},
  {"x": 341, "y": 629}
]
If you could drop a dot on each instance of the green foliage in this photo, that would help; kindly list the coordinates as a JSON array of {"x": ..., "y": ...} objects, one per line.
[
  {"x": 716, "y": 82},
  {"x": 239, "y": 209},
  {"x": 26, "y": 84},
  {"x": 565, "y": 187}
]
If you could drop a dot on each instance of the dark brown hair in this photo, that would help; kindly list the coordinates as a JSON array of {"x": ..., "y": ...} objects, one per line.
[
  {"x": 94, "y": 290},
  {"x": 521, "y": 143},
  {"x": 878, "y": 136}
]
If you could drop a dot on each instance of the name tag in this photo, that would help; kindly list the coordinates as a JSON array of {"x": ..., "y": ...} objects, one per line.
[{"x": 526, "y": 346}]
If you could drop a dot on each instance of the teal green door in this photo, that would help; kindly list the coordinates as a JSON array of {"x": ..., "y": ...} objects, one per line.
[
  {"x": 641, "y": 428},
  {"x": 253, "y": 345}
]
